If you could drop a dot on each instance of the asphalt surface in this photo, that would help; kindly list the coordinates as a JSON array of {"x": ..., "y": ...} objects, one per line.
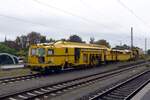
[
  {"x": 34, "y": 83},
  {"x": 144, "y": 94}
]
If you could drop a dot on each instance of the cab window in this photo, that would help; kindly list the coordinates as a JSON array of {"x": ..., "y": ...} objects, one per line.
[
  {"x": 33, "y": 52},
  {"x": 50, "y": 52},
  {"x": 41, "y": 52}
]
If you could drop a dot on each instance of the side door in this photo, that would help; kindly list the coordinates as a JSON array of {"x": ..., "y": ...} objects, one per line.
[{"x": 77, "y": 55}]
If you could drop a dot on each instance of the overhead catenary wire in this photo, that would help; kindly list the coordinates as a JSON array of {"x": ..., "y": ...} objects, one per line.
[
  {"x": 40, "y": 24},
  {"x": 85, "y": 19},
  {"x": 22, "y": 20},
  {"x": 31, "y": 22},
  {"x": 90, "y": 6},
  {"x": 133, "y": 13},
  {"x": 87, "y": 5},
  {"x": 61, "y": 10}
]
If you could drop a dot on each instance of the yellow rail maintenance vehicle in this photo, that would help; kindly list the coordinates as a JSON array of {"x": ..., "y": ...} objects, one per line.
[
  {"x": 114, "y": 55},
  {"x": 137, "y": 53},
  {"x": 124, "y": 55},
  {"x": 65, "y": 55}
]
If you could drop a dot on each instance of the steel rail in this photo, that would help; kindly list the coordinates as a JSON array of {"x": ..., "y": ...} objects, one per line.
[
  {"x": 62, "y": 86},
  {"x": 4, "y": 81},
  {"x": 125, "y": 90}
]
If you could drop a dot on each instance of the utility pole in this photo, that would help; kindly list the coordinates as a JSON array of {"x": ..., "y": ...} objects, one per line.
[
  {"x": 131, "y": 38},
  {"x": 145, "y": 45}
]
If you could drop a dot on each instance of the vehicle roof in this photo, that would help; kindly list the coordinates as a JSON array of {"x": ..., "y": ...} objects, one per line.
[
  {"x": 121, "y": 50},
  {"x": 65, "y": 44}
]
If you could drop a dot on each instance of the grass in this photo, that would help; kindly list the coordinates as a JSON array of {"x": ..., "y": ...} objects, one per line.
[{"x": 14, "y": 72}]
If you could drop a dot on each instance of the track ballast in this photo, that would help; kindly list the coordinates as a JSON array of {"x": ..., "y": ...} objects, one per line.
[
  {"x": 125, "y": 90},
  {"x": 54, "y": 89}
]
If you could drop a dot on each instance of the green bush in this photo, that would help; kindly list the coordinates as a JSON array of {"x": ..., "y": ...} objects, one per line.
[{"x": 5, "y": 49}]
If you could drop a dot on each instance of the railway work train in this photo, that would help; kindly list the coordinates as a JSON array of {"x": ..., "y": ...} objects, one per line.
[{"x": 63, "y": 55}]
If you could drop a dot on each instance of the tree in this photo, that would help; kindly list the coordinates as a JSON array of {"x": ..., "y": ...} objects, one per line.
[
  {"x": 75, "y": 38},
  {"x": 18, "y": 40},
  {"x": 102, "y": 42},
  {"x": 123, "y": 47},
  {"x": 51, "y": 40},
  {"x": 5, "y": 49},
  {"x": 43, "y": 39},
  {"x": 12, "y": 44},
  {"x": 63, "y": 39},
  {"x": 92, "y": 40},
  {"x": 34, "y": 38},
  {"x": 22, "y": 41}
]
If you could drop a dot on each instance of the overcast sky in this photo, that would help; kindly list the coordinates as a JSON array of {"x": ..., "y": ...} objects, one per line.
[{"x": 101, "y": 19}]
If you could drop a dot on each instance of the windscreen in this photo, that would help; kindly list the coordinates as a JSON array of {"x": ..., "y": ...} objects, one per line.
[
  {"x": 38, "y": 52},
  {"x": 41, "y": 52}
]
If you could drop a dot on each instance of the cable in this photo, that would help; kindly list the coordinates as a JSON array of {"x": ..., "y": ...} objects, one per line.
[
  {"x": 89, "y": 6},
  {"x": 22, "y": 20},
  {"x": 27, "y": 21},
  {"x": 64, "y": 11},
  {"x": 68, "y": 13},
  {"x": 132, "y": 12}
]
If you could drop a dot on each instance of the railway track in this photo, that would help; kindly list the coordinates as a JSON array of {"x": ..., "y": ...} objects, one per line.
[
  {"x": 61, "y": 87},
  {"x": 19, "y": 78},
  {"x": 125, "y": 90},
  {"x": 4, "y": 81}
]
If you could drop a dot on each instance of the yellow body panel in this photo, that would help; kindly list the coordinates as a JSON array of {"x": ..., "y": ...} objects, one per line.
[
  {"x": 118, "y": 55},
  {"x": 86, "y": 54},
  {"x": 123, "y": 55}
]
